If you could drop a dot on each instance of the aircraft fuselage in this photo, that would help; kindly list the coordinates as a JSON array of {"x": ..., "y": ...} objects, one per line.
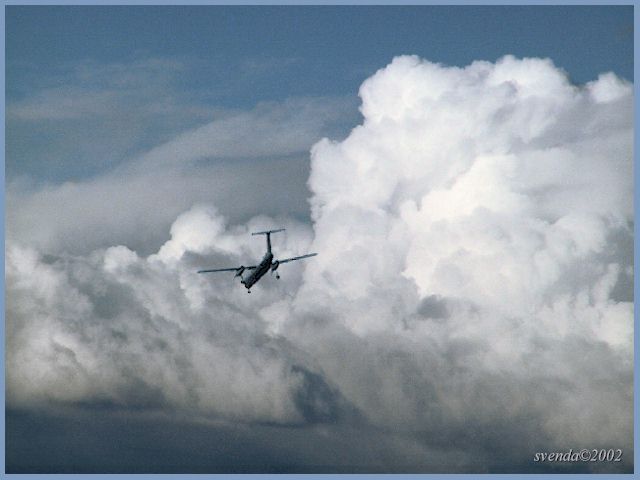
[{"x": 263, "y": 267}]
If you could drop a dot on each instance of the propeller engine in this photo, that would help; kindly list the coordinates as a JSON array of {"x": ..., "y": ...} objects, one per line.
[
  {"x": 274, "y": 267},
  {"x": 240, "y": 271}
]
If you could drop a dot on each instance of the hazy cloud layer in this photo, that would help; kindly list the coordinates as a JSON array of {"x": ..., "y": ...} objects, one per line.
[
  {"x": 87, "y": 117},
  {"x": 470, "y": 303},
  {"x": 245, "y": 162}
]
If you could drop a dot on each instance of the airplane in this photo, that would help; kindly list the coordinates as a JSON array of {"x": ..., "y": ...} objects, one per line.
[{"x": 267, "y": 263}]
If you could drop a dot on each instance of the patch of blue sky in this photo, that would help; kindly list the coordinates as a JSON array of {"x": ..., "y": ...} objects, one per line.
[
  {"x": 242, "y": 55},
  {"x": 91, "y": 87}
]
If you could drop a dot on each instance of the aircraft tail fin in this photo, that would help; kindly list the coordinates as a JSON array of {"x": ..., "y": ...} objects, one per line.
[{"x": 268, "y": 234}]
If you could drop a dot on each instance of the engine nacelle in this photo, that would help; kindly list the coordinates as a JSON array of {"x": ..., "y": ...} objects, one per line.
[
  {"x": 275, "y": 265},
  {"x": 240, "y": 271}
]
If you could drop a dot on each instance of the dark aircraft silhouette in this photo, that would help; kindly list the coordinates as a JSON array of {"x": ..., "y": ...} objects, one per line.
[{"x": 267, "y": 263}]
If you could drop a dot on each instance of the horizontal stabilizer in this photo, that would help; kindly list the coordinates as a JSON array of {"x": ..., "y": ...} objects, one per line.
[{"x": 268, "y": 231}]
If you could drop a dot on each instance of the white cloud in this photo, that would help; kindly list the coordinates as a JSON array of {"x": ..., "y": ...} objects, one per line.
[
  {"x": 485, "y": 187},
  {"x": 115, "y": 327},
  {"x": 470, "y": 234}
]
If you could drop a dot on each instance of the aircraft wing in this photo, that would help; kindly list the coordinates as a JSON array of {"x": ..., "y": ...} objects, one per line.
[
  {"x": 297, "y": 258},
  {"x": 252, "y": 267}
]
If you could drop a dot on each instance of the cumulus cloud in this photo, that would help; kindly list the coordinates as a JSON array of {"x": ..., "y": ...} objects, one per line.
[
  {"x": 116, "y": 328},
  {"x": 469, "y": 296}
]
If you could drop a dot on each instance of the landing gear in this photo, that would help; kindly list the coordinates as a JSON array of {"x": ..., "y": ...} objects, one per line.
[{"x": 277, "y": 277}]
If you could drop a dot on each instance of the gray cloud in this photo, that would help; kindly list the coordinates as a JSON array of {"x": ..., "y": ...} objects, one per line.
[
  {"x": 433, "y": 307},
  {"x": 87, "y": 90},
  {"x": 469, "y": 306},
  {"x": 89, "y": 117},
  {"x": 220, "y": 162}
]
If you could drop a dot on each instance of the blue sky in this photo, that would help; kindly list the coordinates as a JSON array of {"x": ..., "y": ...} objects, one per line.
[
  {"x": 311, "y": 50},
  {"x": 236, "y": 57}
]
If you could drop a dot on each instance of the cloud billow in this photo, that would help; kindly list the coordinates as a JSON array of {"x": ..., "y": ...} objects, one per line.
[{"x": 472, "y": 234}]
